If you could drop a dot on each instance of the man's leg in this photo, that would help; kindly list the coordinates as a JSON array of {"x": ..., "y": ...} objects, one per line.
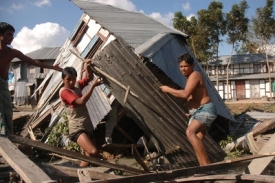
[
  {"x": 195, "y": 134},
  {"x": 6, "y": 123},
  {"x": 89, "y": 147}
]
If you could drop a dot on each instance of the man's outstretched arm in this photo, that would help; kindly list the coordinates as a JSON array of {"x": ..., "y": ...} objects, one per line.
[{"x": 29, "y": 60}]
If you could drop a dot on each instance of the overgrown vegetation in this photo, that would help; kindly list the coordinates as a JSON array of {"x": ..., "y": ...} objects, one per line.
[{"x": 59, "y": 136}]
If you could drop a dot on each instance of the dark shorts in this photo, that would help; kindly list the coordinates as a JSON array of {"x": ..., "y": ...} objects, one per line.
[
  {"x": 205, "y": 114},
  {"x": 74, "y": 136}
]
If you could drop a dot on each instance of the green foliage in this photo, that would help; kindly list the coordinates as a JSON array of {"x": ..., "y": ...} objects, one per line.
[
  {"x": 237, "y": 23},
  {"x": 233, "y": 154},
  {"x": 60, "y": 131},
  {"x": 223, "y": 143}
]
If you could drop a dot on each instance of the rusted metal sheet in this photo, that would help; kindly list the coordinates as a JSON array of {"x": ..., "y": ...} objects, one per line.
[{"x": 160, "y": 117}]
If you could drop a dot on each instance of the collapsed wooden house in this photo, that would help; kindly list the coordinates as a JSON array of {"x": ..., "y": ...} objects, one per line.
[
  {"x": 28, "y": 77},
  {"x": 114, "y": 44}
]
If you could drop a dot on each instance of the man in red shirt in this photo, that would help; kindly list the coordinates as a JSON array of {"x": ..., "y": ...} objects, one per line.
[{"x": 80, "y": 126}]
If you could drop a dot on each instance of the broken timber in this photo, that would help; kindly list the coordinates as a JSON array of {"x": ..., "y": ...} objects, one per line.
[
  {"x": 257, "y": 166},
  {"x": 58, "y": 170},
  {"x": 27, "y": 170},
  {"x": 40, "y": 145},
  {"x": 238, "y": 177},
  {"x": 187, "y": 172}
]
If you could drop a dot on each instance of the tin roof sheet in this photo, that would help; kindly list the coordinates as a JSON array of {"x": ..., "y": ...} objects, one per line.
[
  {"x": 160, "y": 116},
  {"x": 134, "y": 27},
  {"x": 45, "y": 53},
  {"x": 237, "y": 59}
]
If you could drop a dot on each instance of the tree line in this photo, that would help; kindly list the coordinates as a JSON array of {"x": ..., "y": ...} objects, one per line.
[{"x": 247, "y": 36}]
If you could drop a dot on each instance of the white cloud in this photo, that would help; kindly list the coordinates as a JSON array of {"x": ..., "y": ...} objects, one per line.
[
  {"x": 123, "y": 4},
  {"x": 41, "y": 3},
  {"x": 166, "y": 18},
  {"x": 42, "y": 35},
  {"x": 191, "y": 15},
  {"x": 17, "y": 6},
  {"x": 13, "y": 7},
  {"x": 186, "y": 6}
]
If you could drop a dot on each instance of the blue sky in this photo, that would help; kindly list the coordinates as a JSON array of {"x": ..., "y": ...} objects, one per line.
[{"x": 41, "y": 23}]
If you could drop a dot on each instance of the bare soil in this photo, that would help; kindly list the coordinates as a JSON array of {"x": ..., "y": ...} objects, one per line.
[{"x": 239, "y": 107}]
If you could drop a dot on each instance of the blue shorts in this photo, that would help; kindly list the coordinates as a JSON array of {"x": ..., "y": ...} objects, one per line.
[{"x": 205, "y": 114}]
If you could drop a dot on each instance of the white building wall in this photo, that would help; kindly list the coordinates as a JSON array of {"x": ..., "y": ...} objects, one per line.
[
  {"x": 262, "y": 88},
  {"x": 247, "y": 89}
]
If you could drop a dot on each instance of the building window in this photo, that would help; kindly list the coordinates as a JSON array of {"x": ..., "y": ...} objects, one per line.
[
  {"x": 79, "y": 32},
  {"x": 92, "y": 47},
  {"x": 105, "y": 90}
]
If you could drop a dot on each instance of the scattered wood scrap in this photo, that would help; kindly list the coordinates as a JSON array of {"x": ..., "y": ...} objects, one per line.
[
  {"x": 257, "y": 166},
  {"x": 41, "y": 145},
  {"x": 237, "y": 177},
  {"x": 63, "y": 171},
  {"x": 27, "y": 170}
]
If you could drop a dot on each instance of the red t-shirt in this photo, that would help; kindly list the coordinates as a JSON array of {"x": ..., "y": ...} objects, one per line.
[{"x": 68, "y": 97}]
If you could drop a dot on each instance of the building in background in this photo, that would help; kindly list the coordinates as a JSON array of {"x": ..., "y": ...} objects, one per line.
[
  {"x": 248, "y": 76},
  {"x": 28, "y": 77}
]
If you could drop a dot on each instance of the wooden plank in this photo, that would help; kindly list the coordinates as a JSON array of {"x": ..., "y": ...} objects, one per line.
[
  {"x": 83, "y": 175},
  {"x": 186, "y": 172},
  {"x": 63, "y": 171},
  {"x": 162, "y": 176},
  {"x": 238, "y": 177},
  {"x": 136, "y": 155},
  {"x": 257, "y": 166},
  {"x": 115, "y": 146},
  {"x": 72, "y": 154},
  {"x": 125, "y": 134},
  {"x": 27, "y": 170}
]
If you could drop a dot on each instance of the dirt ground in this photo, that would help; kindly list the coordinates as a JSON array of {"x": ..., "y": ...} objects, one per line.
[{"x": 239, "y": 107}]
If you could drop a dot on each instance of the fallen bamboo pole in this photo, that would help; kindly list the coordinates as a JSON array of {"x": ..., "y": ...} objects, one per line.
[{"x": 106, "y": 75}]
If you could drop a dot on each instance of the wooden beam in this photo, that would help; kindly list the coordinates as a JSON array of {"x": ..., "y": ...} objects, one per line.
[
  {"x": 136, "y": 155},
  {"x": 257, "y": 166},
  {"x": 40, "y": 119},
  {"x": 162, "y": 176},
  {"x": 122, "y": 145},
  {"x": 63, "y": 171},
  {"x": 41, "y": 145},
  {"x": 27, "y": 170},
  {"x": 125, "y": 134},
  {"x": 238, "y": 177}
]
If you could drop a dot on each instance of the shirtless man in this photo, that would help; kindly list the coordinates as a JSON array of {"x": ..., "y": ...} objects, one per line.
[
  {"x": 202, "y": 111},
  {"x": 7, "y": 54}
]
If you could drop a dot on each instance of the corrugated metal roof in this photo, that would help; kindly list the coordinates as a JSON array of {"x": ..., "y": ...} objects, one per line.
[
  {"x": 164, "y": 52},
  {"x": 45, "y": 53},
  {"x": 160, "y": 116},
  {"x": 243, "y": 77},
  {"x": 238, "y": 59},
  {"x": 134, "y": 27},
  {"x": 151, "y": 39}
]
